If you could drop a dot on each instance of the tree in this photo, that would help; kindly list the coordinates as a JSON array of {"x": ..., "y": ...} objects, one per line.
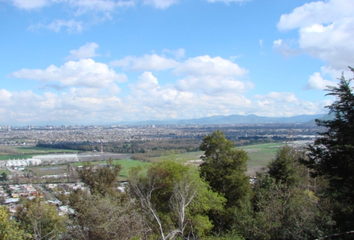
[
  {"x": 103, "y": 212},
  {"x": 224, "y": 168},
  {"x": 173, "y": 199},
  {"x": 285, "y": 168},
  {"x": 332, "y": 154},
  {"x": 109, "y": 217},
  {"x": 284, "y": 212},
  {"x": 3, "y": 177},
  {"x": 100, "y": 179},
  {"x": 9, "y": 229},
  {"x": 41, "y": 220}
]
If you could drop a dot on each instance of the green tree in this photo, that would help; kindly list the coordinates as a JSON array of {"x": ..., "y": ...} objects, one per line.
[
  {"x": 224, "y": 167},
  {"x": 284, "y": 212},
  {"x": 174, "y": 200},
  {"x": 100, "y": 179},
  {"x": 103, "y": 212},
  {"x": 332, "y": 154},
  {"x": 9, "y": 229},
  {"x": 285, "y": 167},
  {"x": 41, "y": 220},
  {"x": 3, "y": 177},
  {"x": 109, "y": 217}
]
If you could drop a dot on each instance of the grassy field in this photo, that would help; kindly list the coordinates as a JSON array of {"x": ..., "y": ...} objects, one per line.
[
  {"x": 261, "y": 154},
  {"x": 19, "y": 156},
  {"x": 127, "y": 164}
]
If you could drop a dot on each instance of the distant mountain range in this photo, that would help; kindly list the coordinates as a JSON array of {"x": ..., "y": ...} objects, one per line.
[{"x": 233, "y": 119}]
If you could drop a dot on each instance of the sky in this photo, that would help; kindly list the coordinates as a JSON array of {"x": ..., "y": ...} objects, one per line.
[{"x": 107, "y": 61}]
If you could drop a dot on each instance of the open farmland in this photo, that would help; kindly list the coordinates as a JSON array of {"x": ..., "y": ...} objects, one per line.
[
  {"x": 127, "y": 164},
  {"x": 260, "y": 155}
]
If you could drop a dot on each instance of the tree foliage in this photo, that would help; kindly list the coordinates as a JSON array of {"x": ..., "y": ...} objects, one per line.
[
  {"x": 224, "y": 168},
  {"x": 173, "y": 199},
  {"x": 100, "y": 179},
  {"x": 285, "y": 167},
  {"x": 9, "y": 229},
  {"x": 41, "y": 220},
  {"x": 103, "y": 212},
  {"x": 109, "y": 217},
  {"x": 332, "y": 154}
]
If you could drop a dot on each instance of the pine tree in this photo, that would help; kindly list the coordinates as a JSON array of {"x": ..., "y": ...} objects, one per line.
[{"x": 332, "y": 154}]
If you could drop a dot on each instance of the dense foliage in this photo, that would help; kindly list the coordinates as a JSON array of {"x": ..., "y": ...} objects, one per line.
[{"x": 332, "y": 155}]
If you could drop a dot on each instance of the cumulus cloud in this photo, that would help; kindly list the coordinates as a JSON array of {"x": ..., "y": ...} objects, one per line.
[
  {"x": 212, "y": 85},
  {"x": 86, "y": 51},
  {"x": 71, "y": 26},
  {"x": 85, "y": 72},
  {"x": 326, "y": 29},
  {"x": 145, "y": 63},
  {"x": 316, "y": 81},
  {"x": 278, "y": 97},
  {"x": 208, "y": 66},
  {"x": 285, "y": 104},
  {"x": 146, "y": 81}
]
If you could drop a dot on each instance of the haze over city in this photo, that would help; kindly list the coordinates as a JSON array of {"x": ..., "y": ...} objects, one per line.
[{"x": 106, "y": 61}]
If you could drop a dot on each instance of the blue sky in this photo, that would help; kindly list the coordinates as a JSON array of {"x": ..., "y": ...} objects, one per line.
[{"x": 105, "y": 61}]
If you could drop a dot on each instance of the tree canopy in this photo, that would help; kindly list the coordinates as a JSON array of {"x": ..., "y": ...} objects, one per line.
[{"x": 332, "y": 154}]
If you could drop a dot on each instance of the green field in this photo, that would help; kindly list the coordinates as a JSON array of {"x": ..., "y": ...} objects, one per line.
[
  {"x": 18, "y": 156},
  {"x": 127, "y": 164},
  {"x": 261, "y": 154}
]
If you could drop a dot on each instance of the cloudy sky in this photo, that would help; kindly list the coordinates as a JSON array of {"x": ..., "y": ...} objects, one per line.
[{"x": 105, "y": 61}]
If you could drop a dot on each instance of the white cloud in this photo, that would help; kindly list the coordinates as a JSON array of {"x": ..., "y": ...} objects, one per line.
[
  {"x": 207, "y": 66},
  {"x": 146, "y": 81},
  {"x": 85, "y": 72},
  {"x": 278, "y": 97},
  {"x": 29, "y": 4},
  {"x": 86, "y": 51},
  {"x": 309, "y": 14},
  {"x": 212, "y": 85},
  {"x": 317, "y": 82},
  {"x": 145, "y": 63},
  {"x": 161, "y": 4},
  {"x": 285, "y": 104},
  {"x": 326, "y": 30},
  {"x": 56, "y": 26}
]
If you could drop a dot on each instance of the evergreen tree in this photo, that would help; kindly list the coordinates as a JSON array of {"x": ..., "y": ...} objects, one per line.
[
  {"x": 332, "y": 154},
  {"x": 224, "y": 168},
  {"x": 285, "y": 167}
]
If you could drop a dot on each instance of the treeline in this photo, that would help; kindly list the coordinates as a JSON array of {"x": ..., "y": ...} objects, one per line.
[{"x": 187, "y": 145}]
